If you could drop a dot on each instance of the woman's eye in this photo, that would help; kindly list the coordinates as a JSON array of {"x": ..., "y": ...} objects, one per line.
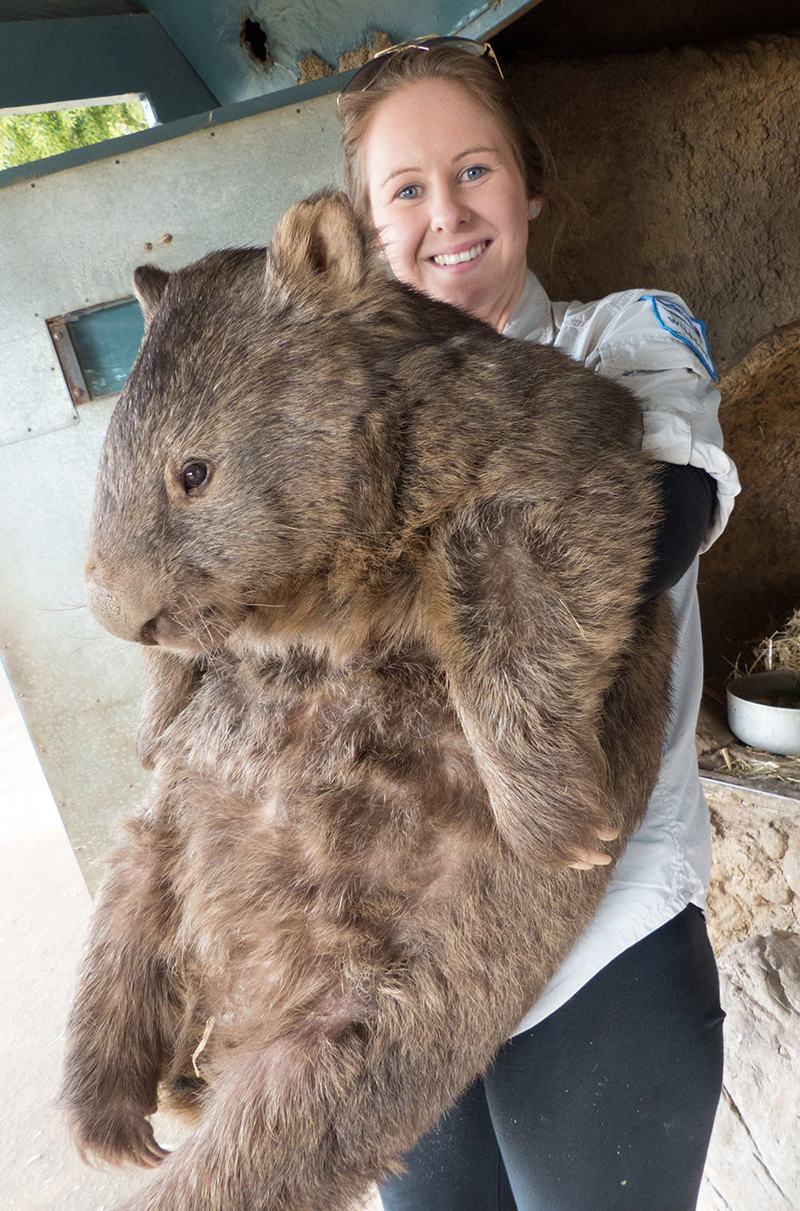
[
  {"x": 194, "y": 475},
  {"x": 408, "y": 191},
  {"x": 473, "y": 173}
]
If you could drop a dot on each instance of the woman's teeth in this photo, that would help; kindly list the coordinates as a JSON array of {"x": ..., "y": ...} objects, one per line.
[{"x": 456, "y": 257}]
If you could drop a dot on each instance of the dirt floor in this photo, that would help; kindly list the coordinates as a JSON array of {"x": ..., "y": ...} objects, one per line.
[{"x": 44, "y": 907}]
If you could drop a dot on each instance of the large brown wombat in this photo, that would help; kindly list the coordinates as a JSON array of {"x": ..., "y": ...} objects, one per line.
[{"x": 386, "y": 564}]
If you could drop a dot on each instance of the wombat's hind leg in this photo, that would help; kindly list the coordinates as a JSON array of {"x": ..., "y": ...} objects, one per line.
[{"x": 122, "y": 1022}]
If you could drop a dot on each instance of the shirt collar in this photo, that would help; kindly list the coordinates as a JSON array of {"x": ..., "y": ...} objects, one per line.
[{"x": 532, "y": 318}]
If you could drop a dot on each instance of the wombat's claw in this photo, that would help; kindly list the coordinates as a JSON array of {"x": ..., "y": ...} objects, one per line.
[
  {"x": 586, "y": 859},
  {"x": 589, "y": 858},
  {"x": 153, "y": 1154},
  {"x": 125, "y": 1141}
]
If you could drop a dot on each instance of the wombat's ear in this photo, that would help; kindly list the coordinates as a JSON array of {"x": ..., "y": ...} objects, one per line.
[
  {"x": 319, "y": 244},
  {"x": 149, "y": 284}
]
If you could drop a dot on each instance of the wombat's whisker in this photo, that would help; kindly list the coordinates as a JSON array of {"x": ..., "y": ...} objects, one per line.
[
  {"x": 264, "y": 605},
  {"x": 195, "y": 616},
  {"x": 60, "y": 609},
  {"x": 123, "y": 670},
  {"x": 82, "y": 647}
]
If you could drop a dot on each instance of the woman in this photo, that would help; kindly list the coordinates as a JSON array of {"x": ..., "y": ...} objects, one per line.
[{"x": 605, "y": 1097}]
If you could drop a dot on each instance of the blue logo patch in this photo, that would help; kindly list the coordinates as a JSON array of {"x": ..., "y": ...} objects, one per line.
[{"x": 679, "y": 322}]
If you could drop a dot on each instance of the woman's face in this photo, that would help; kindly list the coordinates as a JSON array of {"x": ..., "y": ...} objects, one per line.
[{"x": 448, "y": 198}]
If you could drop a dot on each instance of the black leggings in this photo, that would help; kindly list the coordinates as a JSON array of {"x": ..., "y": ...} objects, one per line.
[{"x": 606, "y": 1105}]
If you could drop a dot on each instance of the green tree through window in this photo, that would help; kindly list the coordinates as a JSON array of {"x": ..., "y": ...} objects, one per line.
[{"x": 32, "y": 136}]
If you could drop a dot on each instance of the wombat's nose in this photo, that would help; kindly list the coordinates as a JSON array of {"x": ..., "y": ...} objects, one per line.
[{"x": 117, "y": 616}]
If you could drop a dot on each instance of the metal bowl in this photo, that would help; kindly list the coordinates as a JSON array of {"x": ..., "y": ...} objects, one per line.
[{"x": 775, "y": 729}]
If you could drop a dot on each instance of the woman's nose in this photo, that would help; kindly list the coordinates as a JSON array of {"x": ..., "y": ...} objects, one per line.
[{"x": 448, "y": 211}]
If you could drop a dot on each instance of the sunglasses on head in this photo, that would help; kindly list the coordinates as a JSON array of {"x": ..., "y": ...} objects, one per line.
[{"x": 368, "y": 74}]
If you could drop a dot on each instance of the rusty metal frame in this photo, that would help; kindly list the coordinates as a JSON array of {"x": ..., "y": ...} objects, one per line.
[
  {"x": 65, "y": 350},
  {"x": 68, "y": 359}
]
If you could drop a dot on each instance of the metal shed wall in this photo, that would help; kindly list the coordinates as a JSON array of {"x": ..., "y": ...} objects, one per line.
[{"x": 69, "y": 240}]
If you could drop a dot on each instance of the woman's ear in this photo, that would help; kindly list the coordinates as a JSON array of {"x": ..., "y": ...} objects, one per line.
[
  {"x": 526, "y": 674},
  {"x": 319, "y": 247}
]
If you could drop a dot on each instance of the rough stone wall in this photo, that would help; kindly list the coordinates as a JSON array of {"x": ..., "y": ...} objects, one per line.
[
  {"x": 753, "y": 922},
  {"x": 682, "y": 170},
  {"x": 749, "y": 581}
]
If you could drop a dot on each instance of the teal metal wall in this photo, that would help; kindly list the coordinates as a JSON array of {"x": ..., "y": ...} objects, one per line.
[
  {"x": 71, "y": 242},
  {"x": 72, "y": 59}
]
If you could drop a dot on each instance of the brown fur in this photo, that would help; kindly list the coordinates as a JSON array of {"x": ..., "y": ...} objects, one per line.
[{"x": 398, "y": 677}]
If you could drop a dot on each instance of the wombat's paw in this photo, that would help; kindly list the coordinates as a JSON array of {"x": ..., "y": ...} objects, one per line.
[
  {"x": 117, "y": 1136},
  {"x": 146, "y": 747},
  {"x": 586, "y": 859}
]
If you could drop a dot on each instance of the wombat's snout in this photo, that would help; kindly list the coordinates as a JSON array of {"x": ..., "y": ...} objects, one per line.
[
  {"x": 118, "y": 616},
  {"x": 196, "y": 624}
]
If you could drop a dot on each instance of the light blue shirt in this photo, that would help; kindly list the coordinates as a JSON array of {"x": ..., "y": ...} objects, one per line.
[{"x": 650, "y": 341}]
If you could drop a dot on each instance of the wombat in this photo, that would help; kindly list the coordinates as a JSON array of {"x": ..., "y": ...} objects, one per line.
[{"x": 387, "y": 567}]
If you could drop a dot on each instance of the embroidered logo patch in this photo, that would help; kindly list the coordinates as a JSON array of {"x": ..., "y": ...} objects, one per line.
[{"x": 680, "y": 323}]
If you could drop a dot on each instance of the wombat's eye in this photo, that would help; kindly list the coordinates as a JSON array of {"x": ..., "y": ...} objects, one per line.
[{"x": 194, "y": 475}]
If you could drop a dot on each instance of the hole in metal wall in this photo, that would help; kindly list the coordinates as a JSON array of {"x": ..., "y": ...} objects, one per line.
[{"x": 253, "y": 38}]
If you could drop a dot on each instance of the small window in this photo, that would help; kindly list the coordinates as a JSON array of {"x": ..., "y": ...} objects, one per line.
[
  {"x": 37, "y": 131},
  {"x": 97, "y": 347}
]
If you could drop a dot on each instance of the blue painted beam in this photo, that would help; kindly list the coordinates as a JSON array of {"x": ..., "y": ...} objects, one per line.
[
  {"x": 209, "y": 33},
  {"x": 488, "y": 20},
  {"x": 76, "y": 58}
]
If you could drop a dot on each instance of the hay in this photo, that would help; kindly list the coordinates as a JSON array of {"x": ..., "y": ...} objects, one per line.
[
  {"x": 780, "y": 650},
  {"x": 201, "y": 1046}
]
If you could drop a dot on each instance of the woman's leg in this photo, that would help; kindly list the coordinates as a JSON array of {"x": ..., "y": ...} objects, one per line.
[
  {"x": 608, "y": 1104},
  {"x": 456, "y": 1166}
]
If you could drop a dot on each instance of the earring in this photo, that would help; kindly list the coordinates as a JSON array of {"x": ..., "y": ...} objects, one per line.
[{"x": 534, "y": 210}]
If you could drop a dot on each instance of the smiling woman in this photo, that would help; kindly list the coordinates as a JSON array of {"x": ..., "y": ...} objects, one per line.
[
  {"x": 611, "y": 1080},
  {"x": 448, "y": 198}
]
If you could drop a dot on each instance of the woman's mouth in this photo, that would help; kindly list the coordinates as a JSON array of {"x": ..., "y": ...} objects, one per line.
[{"x": 462, "y": 256}]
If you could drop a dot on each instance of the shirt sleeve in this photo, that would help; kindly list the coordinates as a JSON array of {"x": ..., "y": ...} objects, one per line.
[
  {"x": 670, "y": 373},
  {"x": 688, "y": 500}
]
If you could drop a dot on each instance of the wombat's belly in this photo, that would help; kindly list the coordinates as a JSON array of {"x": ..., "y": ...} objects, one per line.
[{"x": 318, "y": 827}]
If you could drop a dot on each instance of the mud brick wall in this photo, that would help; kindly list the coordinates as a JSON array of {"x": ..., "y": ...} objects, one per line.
[{"x": 676, "y": 170}]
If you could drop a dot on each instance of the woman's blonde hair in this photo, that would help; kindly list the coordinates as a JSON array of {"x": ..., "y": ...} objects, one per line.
[{"x": 478, "y": 75}]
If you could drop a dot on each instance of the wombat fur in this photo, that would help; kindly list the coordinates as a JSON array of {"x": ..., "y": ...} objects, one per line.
[{"x": 386, "y": 565}]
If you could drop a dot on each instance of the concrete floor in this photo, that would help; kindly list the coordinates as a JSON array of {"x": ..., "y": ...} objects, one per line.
[{"x": 44, "y": 910}]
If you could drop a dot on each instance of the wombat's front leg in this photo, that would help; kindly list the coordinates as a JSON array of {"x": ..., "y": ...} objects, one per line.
[
  {"x": 167, "y": 682},
  {"x": 531, "y": 633},
  {"x": 119, "y": 1024}
]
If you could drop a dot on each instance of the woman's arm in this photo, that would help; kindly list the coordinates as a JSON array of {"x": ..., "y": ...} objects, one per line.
[
  {"x": 674, "y": 381},
  {"x": 688, "y": 502}
]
